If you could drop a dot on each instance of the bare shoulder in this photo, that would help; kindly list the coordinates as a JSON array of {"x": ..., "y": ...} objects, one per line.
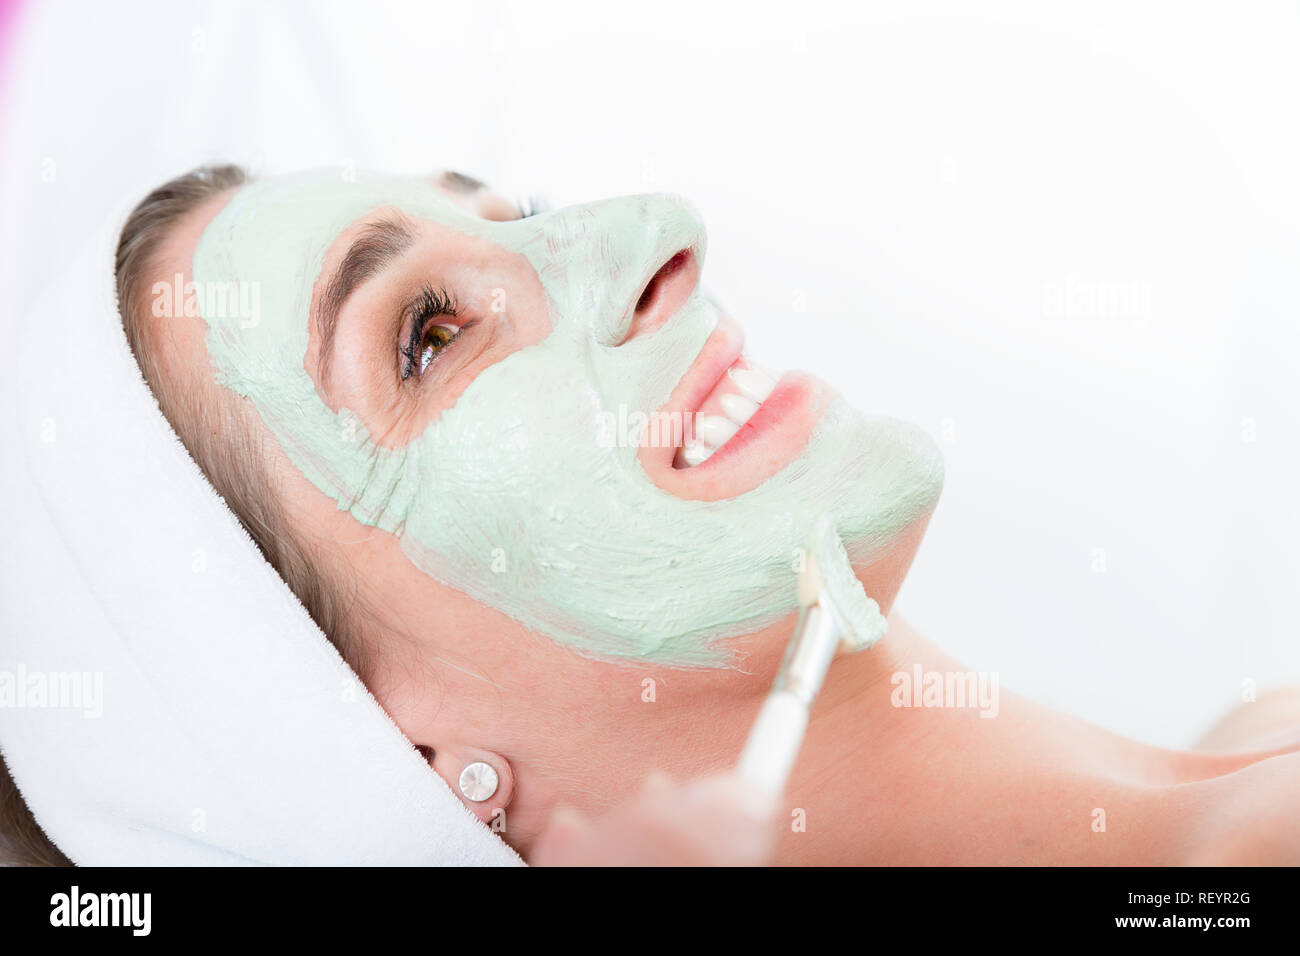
[
  {"x": 1252, "y": 819},
  {"x": 1271, "y": 723}
]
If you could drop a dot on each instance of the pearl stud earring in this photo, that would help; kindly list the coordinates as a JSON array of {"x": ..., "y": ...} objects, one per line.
[{"x": 478, "y": 781}]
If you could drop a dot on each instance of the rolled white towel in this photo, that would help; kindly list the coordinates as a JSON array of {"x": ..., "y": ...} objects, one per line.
[{"x": 230, "y": 731}]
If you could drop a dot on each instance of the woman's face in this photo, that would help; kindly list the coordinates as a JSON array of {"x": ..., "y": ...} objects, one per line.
[{"x": 545, "y": 414}]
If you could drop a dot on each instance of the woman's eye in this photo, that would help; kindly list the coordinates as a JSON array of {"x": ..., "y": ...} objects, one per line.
[
  {"x": 435, "y": 339},
  {"x": 427, "y": 339},
  {"x": 530, "y": 206}
]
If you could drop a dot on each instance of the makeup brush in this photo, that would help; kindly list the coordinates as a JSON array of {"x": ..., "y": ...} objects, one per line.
[{"x": 834, "y": 613}]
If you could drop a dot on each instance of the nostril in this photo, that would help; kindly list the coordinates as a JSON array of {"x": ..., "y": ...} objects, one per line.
[
  {"x": 664, "y": 294},
  {"x": 658, "y": 279}
]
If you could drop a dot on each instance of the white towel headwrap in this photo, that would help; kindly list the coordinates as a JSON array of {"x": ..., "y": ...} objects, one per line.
[{"x": 231, "y": 731}]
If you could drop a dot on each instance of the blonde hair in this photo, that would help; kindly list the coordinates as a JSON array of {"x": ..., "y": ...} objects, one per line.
[{"x": 222, "y": 439}]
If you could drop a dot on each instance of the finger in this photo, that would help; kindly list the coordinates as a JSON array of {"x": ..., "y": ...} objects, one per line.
[
  {"x": 657, "y": 782},
  {"x": 561, "y": 843}
]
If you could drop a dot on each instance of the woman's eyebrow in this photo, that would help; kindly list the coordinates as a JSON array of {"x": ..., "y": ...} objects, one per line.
[
  {"x": 381, "y": 243},
  {"x": 461, "y": 182}
]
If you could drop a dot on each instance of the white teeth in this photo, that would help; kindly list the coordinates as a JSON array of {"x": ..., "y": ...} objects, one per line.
[
  {"x": 694, "y": 452},
  {"x": 738, "y": 408},
  {"x": 715, "y": 430},
  {"x": 753, "y": 384}
]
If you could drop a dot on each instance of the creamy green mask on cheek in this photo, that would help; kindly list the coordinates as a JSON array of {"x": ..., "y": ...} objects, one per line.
[{"x": 513, "y": 495}]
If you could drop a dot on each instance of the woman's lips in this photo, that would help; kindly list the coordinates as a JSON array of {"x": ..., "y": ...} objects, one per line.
[
  {"x": 740, "y": 424},
  {"x": 725, "y": 412}
]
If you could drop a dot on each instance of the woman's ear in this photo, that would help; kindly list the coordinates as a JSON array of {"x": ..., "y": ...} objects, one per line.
[{"x": 482, "y": 779}]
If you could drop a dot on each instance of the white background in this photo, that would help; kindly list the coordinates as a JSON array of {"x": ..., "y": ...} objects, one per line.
[{"x": 1063, "y": 242}]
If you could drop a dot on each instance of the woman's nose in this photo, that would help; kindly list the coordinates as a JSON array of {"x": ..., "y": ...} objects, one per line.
[
  {"x": 664, "y": 294},
  {"x": 645, "y": 254}
]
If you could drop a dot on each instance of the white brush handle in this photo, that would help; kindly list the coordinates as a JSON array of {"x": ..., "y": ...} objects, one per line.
[
  {"x": 774, "y": 743},
  {"x": 777, "y": 735}
]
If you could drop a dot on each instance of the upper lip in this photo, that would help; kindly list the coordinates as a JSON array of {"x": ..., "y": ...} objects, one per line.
[{"x": 723, "y": 346}]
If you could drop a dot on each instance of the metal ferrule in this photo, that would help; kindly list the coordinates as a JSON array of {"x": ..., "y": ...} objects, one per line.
[{"x": 808, "y": 655}]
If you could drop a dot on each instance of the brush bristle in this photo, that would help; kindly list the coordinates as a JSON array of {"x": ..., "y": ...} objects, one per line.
[
  {"x": 827, "y": 570},
  {"x": 810, "y": 580}
]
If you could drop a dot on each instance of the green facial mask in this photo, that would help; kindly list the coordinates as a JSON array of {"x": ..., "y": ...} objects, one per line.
[{"x": 512, "y": 495}]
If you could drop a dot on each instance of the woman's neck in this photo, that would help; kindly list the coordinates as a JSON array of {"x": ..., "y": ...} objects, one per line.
[{"x": 910, "y": 757}]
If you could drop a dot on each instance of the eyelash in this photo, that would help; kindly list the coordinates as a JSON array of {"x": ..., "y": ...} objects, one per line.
[
  {"x": 439, "y": 303},
  {"x": 431, "y": 304},
  {"x": 531, "y": 206}
]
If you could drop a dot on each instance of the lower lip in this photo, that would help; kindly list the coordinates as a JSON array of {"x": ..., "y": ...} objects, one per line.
[{"x": 792, "y": 391}]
